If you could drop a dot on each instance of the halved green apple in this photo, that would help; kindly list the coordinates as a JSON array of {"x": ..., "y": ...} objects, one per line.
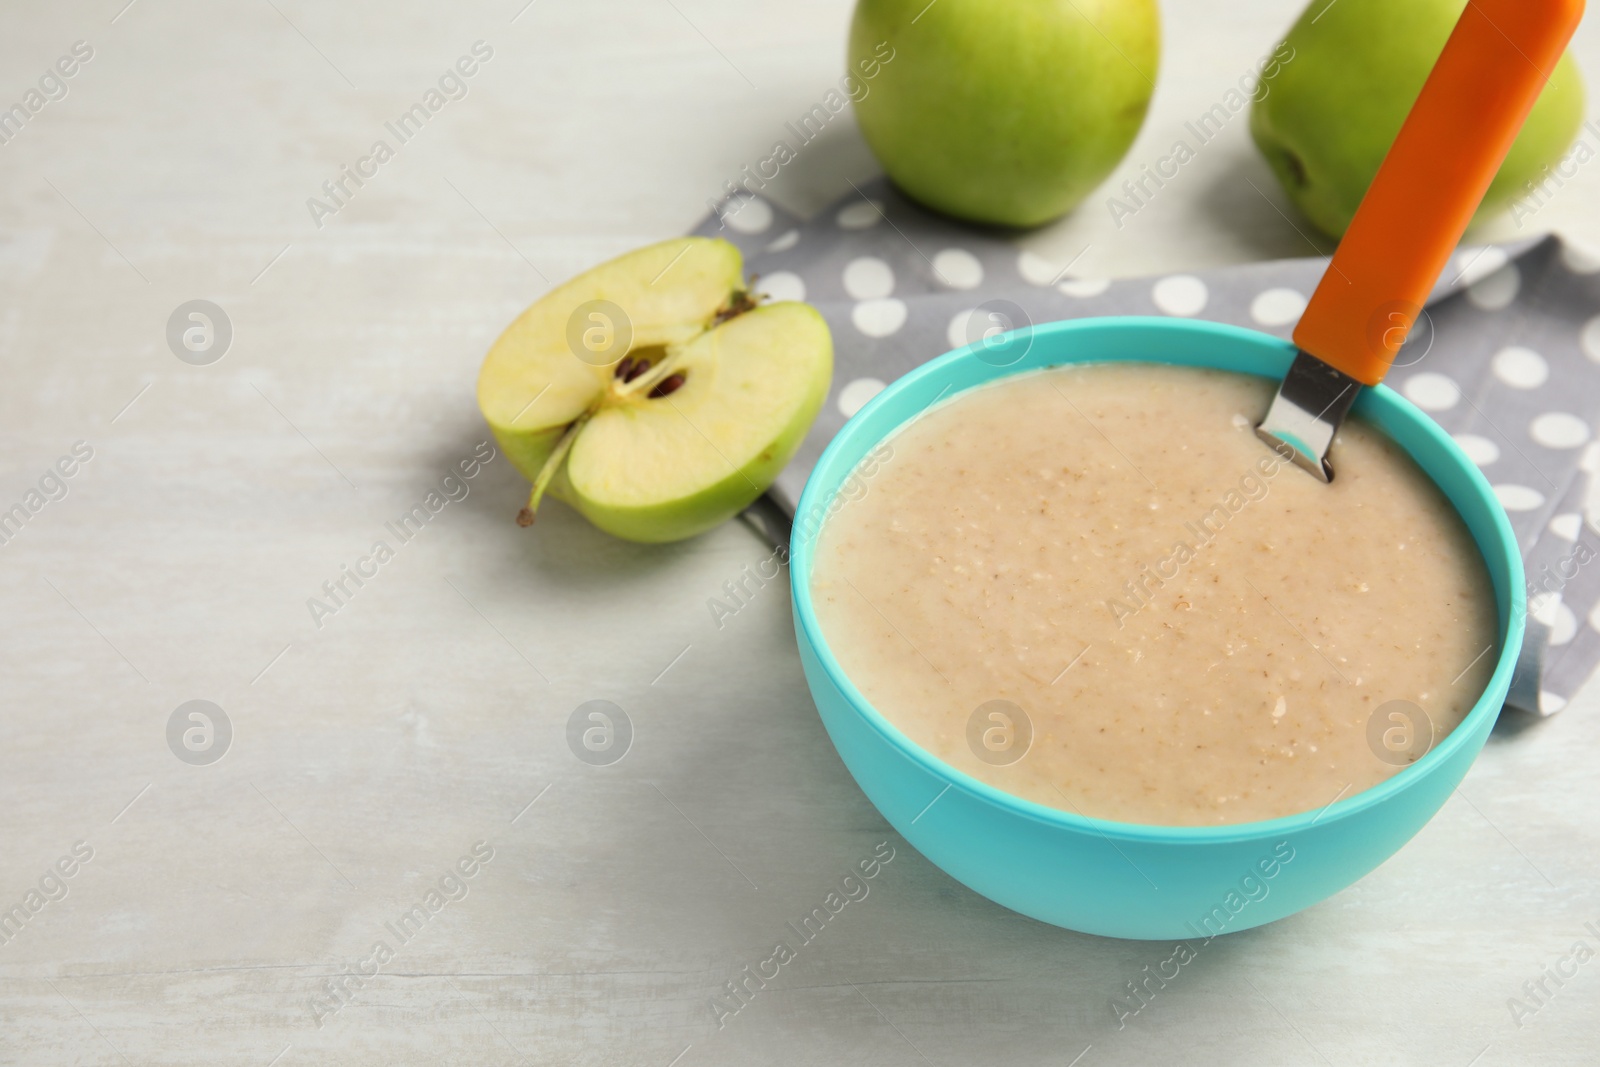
[{"x": 653, "y": 393}]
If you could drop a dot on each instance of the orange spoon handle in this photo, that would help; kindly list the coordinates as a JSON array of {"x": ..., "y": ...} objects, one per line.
[{"x": 1474, "y": 102}]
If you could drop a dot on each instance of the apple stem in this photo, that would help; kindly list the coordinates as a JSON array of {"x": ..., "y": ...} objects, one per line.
[
  {"x": 558, "y": 455},
  {"x": 741, "y": 301}
]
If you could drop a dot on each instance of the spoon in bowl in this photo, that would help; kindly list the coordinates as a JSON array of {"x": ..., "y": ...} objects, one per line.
[{"x": 1469, "y": 112}]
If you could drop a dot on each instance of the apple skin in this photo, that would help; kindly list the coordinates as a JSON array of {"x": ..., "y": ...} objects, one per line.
[
  {"x": 1332, "y": 112},
  {"x": 1004, "y": 112},
  {"x": 709, "y": 508}
]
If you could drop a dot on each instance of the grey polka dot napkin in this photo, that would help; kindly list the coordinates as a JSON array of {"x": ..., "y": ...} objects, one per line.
[{"x": 1505, "y": 360}]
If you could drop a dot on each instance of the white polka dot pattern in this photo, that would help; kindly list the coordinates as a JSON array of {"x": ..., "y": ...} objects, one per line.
[
  {"x": 1082, "y": 288},
  {"x": 868, "y": 278},
  {"x": 1432, "y": 392},
  {"x": 782, "y": 285},
  {"x": 1567, "y": 526},
  {"x": 1497, "y": 290},
  {"x": 859, "y": 214},
  {"x": 1520, "y": 368},
  {"x": 1181, "y": 294},
  {"x": 748, "y": 214},
  {"x": 1557, "y": 429},
  {"x": 956, "y": 332},
  {"x": 958, "y": 269},
  {"x": 1589, "y": 339},
  {"x": 1518, "y": 497},
  {"x": 1277, "y": 307},
  {"x": 1478, "y": 448},
  {"x": 1036, "y": 270},
  {"x": 879, "y": 318},
  {"x": 854, "y": 396}
]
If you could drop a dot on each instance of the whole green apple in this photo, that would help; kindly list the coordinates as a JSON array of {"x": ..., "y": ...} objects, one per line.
[
  {"x": 1003, "y": 112},
  {"x": 1332, "y": 113}
]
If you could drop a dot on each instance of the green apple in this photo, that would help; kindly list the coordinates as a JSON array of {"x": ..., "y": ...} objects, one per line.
[
  {"x": 654, "y": 393},
  {"x": 1334, "y": 109},
  {"x": 1003, "y": 112}
]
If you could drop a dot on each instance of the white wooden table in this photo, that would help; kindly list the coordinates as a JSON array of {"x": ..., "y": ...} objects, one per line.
[{"x": 221, "y": 905}]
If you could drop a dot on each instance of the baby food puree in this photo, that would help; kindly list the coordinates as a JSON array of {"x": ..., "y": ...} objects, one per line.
[{"x": 1096, "y": 588}]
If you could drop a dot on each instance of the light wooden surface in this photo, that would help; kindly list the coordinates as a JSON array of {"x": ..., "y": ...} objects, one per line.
[{"x": 370, "y": 754}]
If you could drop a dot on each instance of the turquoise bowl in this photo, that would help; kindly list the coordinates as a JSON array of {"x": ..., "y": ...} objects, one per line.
[{"x": 1124, "y": 879}]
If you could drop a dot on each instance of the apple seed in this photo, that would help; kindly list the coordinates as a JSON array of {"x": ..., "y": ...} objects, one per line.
[{"x": 668, "y": 385}]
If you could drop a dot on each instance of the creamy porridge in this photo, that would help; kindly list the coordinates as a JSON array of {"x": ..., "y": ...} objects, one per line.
[{"x": 1096, "y": 588}]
